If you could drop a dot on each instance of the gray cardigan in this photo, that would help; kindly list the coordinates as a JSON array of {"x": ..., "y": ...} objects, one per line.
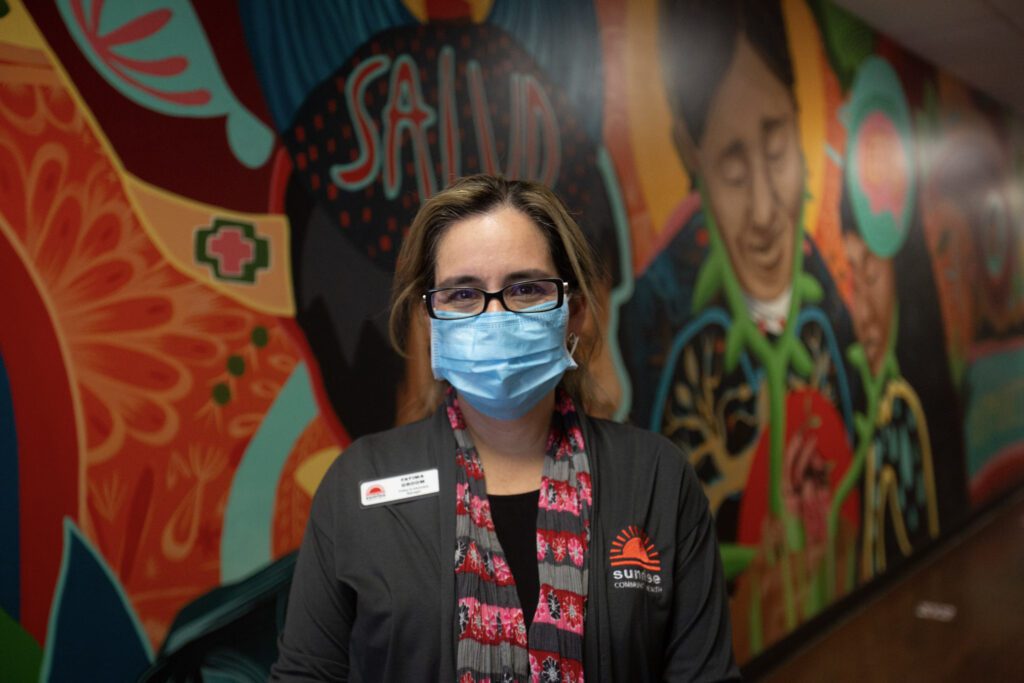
[{"x": 373, "y": 596}]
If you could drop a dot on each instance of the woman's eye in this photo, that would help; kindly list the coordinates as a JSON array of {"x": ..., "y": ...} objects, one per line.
[
  {"x": 776, "y": 140},
  {"x": 524, "y": 289},
  {"x": 459, "y": 296},
  {"x": 733, "y": 168}
]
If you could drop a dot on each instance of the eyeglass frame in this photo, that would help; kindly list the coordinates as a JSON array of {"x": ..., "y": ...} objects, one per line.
[{"x": 563, "y": 292}]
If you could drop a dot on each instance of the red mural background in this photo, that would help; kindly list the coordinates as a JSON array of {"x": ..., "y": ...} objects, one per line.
[{"x": 200, "y": 207}]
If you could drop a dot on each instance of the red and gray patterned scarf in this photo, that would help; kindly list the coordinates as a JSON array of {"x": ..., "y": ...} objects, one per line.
[{"x": 493, "y": 642}]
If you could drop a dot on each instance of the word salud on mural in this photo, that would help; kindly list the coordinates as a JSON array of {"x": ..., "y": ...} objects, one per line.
[{"x": 534, "y": 142}]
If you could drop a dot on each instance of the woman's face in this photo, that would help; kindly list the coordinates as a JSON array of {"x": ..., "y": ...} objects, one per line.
[
  {"x": 492, "y": 250},
  {"x": 752, "y": 165}
]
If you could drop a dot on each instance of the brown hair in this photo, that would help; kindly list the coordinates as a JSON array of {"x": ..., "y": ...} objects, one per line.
[
  {"x": 477, "y": 195},
  {"x": 697, "y": 41}
]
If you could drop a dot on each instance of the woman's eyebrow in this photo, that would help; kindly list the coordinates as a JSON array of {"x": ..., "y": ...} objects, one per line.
[
  {"x": 770, "y": 123},
  {"x": 460, "y": 281},
  {"x": 531, "y": 274},
  {"x": 510, "y": 278},
  {"x": 735, "y": 149}
]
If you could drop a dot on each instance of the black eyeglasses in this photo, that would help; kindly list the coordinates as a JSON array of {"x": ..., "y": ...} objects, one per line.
[{"x": 530, "y": 296}]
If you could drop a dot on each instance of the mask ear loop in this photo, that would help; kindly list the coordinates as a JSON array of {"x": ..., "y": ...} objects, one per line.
[{"x": 573, "y": 341}]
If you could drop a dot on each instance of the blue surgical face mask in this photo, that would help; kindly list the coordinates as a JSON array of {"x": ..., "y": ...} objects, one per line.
[{"x": 502, "y": 363}]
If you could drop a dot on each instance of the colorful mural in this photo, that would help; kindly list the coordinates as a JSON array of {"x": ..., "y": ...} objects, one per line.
[{"x": 812, "y": 245}]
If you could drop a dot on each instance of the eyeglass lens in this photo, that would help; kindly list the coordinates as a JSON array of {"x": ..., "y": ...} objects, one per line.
[{"x": 532, "y": 296}]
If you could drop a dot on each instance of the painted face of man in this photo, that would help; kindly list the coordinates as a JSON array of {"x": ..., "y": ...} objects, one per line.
[
  {"x": 874, "y": 293},
  {"x": 751, "y": 164}
]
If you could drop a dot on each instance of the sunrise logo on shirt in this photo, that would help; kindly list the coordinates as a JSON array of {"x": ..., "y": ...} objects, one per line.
[
  {"x": 635, "y": 564},
  {"x": 632, "y": 548}
]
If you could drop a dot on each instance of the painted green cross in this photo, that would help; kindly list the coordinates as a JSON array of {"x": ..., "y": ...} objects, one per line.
[{"x": 233, "y": 250}]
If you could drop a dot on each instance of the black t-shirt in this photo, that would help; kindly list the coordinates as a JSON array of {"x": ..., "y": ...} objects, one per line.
[{"x": 515, "y": 523}]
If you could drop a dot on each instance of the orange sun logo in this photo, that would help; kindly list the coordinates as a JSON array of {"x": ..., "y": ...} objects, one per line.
[{"x": 633, "y": 548}]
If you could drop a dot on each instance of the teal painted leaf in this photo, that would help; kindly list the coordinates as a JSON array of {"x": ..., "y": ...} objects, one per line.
[
  {"x": 229, "y": 666},
  {"x": 157, "y": 54},
  {"x": 93, "y": 635}
]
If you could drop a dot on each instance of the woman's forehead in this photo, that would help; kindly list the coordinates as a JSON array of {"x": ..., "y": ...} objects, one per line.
[{"x": 491, "y": 246}]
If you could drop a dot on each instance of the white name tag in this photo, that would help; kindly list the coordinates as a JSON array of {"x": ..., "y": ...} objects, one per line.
[{"x": 396, "y": 489}]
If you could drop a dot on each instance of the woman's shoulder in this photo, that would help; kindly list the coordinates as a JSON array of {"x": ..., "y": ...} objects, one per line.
[
  {"x": 646, "y": 469},
  {"x": 394, "y": 451},
  {"x": 627, "y": 444},
  {"x": 625, "y": 432}
]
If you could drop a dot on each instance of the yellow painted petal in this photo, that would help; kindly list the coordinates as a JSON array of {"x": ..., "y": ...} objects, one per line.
[
  {"x": 809, "y": 89},
  {"x": 310, "y": 473}
]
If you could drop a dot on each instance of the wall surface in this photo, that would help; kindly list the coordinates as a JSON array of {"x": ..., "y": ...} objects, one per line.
[{"x": 812, "y": 240}]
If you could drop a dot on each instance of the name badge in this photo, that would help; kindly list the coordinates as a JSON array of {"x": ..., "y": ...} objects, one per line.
[{"x": 397, "y": 489}]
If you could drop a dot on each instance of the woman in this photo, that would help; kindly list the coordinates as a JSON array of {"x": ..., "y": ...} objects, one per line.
[{"x": 508, "y": 536}]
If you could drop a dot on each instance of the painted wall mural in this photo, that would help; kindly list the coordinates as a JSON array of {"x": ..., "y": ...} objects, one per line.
[{"x": 812, "y": 242}]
